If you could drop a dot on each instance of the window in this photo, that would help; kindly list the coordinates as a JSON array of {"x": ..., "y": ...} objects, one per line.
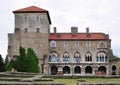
[
  {"x": 52, "y": 44},
  {"x": 65, "y": 44},
  {"x": 37, "y": 18},
  {"x": 25, "y": 18},
  {"x": 66, "y": 57},
  {"x": 77, "y": 44},
  {"x": 26, "y": 30},
  {"x": 88, "y": 44},
  {"x": 77, "y": 57},
  {"x": 101, "y": 57},
  {"x": 102, "y": 45},
  {"x": 37, "y": 30},
  {"x": 53, "y": 57},
  {"x": 88, "y": 57}
]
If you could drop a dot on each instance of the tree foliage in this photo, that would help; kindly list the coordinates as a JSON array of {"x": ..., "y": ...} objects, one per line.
[
  {"x": 26, "y": 62},
  {"x": 2, "y": 65}
]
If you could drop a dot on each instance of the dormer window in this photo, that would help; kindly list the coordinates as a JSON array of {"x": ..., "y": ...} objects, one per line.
[{"x": 52, "y": 44}]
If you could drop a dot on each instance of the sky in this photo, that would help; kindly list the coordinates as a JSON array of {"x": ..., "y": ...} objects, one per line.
[{"x": 98, "y": 15}]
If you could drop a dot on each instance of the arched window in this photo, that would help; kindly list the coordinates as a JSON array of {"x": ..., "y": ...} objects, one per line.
[
  {"x": 53, "y": 44},
  {"x": 101, "y": 45},
  {"x": 77, "y": 57},
  {"x": 66, "y": 57},
  {"x": 53, "y": 57},
  {"x": 88, "y": 57},
  {"x": 101, "y": 57}
]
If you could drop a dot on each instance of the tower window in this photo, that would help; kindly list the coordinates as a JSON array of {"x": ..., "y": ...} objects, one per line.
[
  {"x": 37, "y": 30},
  {"x": 37, "y": 18},
  {"x": 25, "y": 18},
  {"x": 26, "y": 30}
]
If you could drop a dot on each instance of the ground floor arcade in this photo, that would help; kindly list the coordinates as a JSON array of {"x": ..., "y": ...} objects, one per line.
[{"x": 67, "y": 69}]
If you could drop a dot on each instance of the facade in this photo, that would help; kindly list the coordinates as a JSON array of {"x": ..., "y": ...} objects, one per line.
[{"x": 72, "y": 53}]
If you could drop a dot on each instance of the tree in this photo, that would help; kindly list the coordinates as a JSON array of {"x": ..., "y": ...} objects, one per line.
[
  {"x": 33, "y": 61},
  {"x": 27, "y": 61},
  {"x": 2, "y": 65}
]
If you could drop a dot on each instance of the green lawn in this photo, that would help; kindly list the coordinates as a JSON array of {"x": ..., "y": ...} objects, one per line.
[{"x": 73, "y": 81}]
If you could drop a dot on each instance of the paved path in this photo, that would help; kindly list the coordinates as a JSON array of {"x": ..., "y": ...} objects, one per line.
[{"x": 32, "y": 78}]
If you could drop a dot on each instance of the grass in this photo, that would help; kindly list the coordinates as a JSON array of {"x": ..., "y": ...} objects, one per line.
[{"x": 73, "y": 81}]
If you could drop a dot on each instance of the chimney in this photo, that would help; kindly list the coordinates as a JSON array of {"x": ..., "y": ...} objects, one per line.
[
  {"x": 87, "y": 30},
  {"x": 74, "y": 30},
  {"x": 55, "y": 29}
]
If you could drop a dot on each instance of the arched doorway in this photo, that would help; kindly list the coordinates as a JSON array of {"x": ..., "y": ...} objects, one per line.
[
  {"x": 88, "y": 70},
  {"x": 77, "y": 70},
  {"x": 54, "y": 70},
  {"x": 102, "y": 70},
  {"x": 66, "y": 70},
  {"x": 113, "y": 70}
]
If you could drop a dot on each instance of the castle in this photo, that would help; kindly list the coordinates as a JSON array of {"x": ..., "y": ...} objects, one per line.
[{"x": 72, "y": 53}]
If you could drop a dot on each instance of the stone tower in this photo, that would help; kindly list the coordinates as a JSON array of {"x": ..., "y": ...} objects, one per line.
[{"x": 32, "y": 28}]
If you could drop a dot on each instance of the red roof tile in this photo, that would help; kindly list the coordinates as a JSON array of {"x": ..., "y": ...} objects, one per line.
[
  {"x": 78, "y": 36},
  {"x": 33, "y": 9},
  {"x": 30, "y": 9}
]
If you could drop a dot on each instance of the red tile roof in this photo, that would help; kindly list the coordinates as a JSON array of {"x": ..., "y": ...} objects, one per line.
[
  {"x": 32, "y": 9},
  {"x": 78, "y": 36}
]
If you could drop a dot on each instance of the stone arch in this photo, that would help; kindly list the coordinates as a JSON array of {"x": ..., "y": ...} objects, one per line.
[
  {"x": 88, "y": 70},
  {"x": 54, "y": 70},
  {"x": 102, "y": 70},
  {"x": 66, "y": 70},
  {"x": 114, "y": 70},
  {"x": 77, "y": 70}
]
